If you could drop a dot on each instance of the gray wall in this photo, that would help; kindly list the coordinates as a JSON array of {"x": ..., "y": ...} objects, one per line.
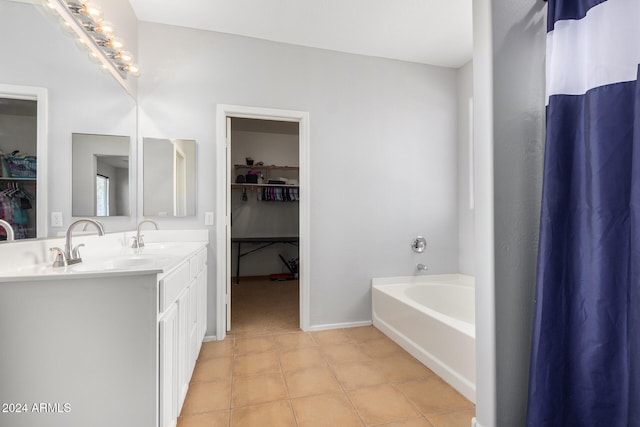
[
  {"x": 519, "y": 29},
  {"x": 383, "y": 149}
]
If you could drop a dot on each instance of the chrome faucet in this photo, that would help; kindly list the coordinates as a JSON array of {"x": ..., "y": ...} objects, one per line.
[
  {"x": 71, "y": 255},
  {"x": 137, "y": 240},
  {"x": 7, "y": 227}
]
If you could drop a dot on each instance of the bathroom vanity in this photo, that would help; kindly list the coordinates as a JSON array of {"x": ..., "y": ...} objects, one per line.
[{"x": 110, "y": 341}]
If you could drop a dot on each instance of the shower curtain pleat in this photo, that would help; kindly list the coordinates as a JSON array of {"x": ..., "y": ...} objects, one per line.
[{"x": 585, "y": 359}]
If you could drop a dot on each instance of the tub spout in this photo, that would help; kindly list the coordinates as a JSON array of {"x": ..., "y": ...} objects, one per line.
[{"x": 422, "y": 267}]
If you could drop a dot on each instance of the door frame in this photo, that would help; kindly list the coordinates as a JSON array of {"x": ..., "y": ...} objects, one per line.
[{"x": 223, "y": 111}]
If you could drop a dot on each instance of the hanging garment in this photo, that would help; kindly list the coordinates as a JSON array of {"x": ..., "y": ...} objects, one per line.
[
  {"x": 14, "y": 203},
  {"x": 585, "y": 357}
]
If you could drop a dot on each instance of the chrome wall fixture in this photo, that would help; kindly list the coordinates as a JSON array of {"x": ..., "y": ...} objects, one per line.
[
  {"x": 419, "y": 244},
  {"x": 86, "y": 20}
]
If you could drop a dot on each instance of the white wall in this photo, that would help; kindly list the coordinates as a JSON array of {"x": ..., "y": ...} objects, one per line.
[
  {"x": 383, "y": 149},
  {"x": 18, "y": 133},
  {"x": 483, "y": 214},
  {"x": 465, "y": 164},
  {"x": 271, "y": 148}
]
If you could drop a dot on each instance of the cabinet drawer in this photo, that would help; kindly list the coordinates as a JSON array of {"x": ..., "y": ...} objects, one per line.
[{"x": 172, "y": 285}]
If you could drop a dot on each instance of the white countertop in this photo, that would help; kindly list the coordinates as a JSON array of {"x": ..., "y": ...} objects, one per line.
[{"x": 154, "y": 258}]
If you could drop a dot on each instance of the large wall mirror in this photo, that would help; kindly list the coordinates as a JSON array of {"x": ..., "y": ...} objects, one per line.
[
  {"x": 100, "y": 177},
  {"x": 74, "y": 96},
  {"x": 169, "y": 180}
]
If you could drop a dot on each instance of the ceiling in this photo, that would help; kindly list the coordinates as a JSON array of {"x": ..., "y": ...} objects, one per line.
[{"x": 436, "y": 32}]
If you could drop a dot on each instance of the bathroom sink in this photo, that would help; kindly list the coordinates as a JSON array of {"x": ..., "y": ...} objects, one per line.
[
  {"x": 124, "y": 263},
  {"x": 161, "y": 247}
]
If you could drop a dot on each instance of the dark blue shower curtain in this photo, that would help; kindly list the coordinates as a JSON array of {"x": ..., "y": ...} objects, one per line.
[{"x": 585, "y": 359}]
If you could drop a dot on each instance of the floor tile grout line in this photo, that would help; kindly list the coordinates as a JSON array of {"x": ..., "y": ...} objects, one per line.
[
  {"x": 344, "y": 390},
  {"x": 358, "y": 337},
  {"x": 286, "y": 386}
]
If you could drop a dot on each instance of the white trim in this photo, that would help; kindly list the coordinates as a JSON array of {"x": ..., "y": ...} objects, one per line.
[
  {"x": 470, "y": 157},
  {"x": 222, "y": 112},
  {"x": 483, "y": 214},
  {"x": 208, "y": 338},
  {"x": 40, "y": 95},
  {"x": 328, "y": 326},
  {"x": 594, "y": 51}
]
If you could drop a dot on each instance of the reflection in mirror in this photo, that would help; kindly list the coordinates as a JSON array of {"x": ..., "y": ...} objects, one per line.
[
  {"x": 18, "y": 174},
  {"x": 169, "y": 181},
  {"x": 21, "y": 137},
  {"x": 100, "y": 170}
]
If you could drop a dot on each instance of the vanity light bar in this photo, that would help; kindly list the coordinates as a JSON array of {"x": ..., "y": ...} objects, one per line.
[{"x": 98, "y": 35}]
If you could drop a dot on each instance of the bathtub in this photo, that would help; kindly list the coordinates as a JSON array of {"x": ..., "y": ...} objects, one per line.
[{"x": 433, "y": 318}]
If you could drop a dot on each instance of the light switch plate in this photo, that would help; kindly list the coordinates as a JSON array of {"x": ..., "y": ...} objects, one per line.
[
  {"x": 56, "y": 219},
  {"x": 208, "y": 218}
]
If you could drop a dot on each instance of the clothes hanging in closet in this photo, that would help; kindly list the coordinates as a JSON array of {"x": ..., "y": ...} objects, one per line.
[
  {"x": 14, "y": 205},
  {"x": 280, "y": 194}
]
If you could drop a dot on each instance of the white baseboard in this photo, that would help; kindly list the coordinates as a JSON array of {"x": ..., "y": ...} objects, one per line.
[
  {"x": 208, "y": 338},
  {"x": 339, "y": 325}
]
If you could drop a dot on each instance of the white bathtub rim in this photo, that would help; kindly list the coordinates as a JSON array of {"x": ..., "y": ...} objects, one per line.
[
  {"x": 457, "y": 381},
  {"x": 453, "y": 278},
  {"x": 401, "y": 283}
]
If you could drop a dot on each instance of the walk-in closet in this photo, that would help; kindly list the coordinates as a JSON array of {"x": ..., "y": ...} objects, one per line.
[{"x": 264, "y": 223}]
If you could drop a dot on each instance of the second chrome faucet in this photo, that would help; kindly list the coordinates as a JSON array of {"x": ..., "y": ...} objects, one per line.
[{"x": 138, "y": 242}]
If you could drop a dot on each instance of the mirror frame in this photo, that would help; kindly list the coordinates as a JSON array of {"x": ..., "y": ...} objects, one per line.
[{"x": 40, "y": 95}]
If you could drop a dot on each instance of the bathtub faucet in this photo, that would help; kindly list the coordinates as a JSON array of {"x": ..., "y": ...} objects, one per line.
[{"x": 422, "y": 267}]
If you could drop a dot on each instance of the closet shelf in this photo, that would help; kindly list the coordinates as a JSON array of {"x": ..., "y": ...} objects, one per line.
[
  {"x": 8, "y": 178},
  {"x": 238, "y": 186},
  {"x": 268, "y": 167}
]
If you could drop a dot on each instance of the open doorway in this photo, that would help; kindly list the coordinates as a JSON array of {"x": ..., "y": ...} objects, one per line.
[
  {"x": 265, "y": 224},
  {"x": 262, "y": 217}
]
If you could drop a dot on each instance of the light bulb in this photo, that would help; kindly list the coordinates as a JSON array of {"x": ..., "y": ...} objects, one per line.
[
  {"x": 125, "y": 57},
  {"x": 105, "y": 28},
  {"x": 91, "y": 10},
  {"x": 115, "y": 43},
  {"x": 133, "y": 70}
]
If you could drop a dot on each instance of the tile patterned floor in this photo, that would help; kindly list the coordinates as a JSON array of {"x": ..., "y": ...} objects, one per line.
[{"x": 269, "y": 373}]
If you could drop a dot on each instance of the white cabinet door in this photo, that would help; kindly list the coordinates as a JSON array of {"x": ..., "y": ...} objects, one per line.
[
  {"x": 194, "y": 348},
  {"x": 184, "y": 353},
  {"x": 202, "y": 305},
  {"x": 169, "y": 367}
]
